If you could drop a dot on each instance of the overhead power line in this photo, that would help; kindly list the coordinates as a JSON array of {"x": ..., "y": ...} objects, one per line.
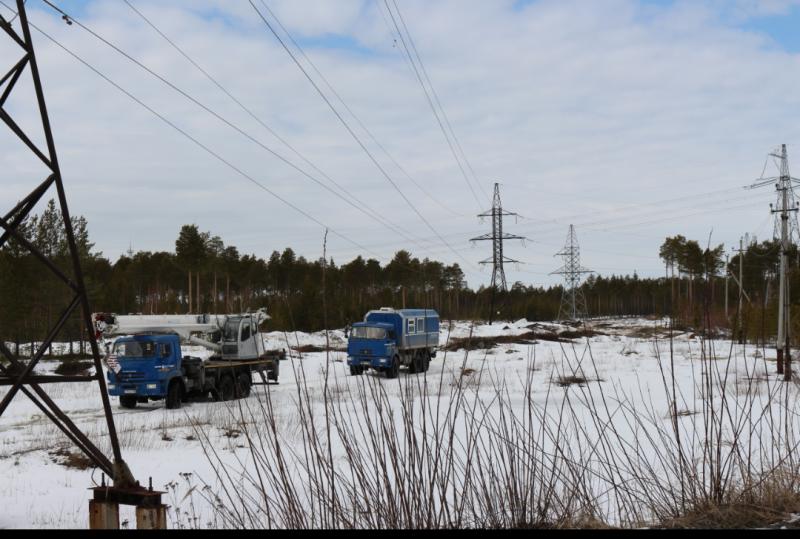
[
  {"x": 353, "y": 134},
  {"x": 433, "y": 99},
  {"x": 194, "y": 140},
  {"x": 355, "y": 116},
  {"x": 353, "y": 201}
]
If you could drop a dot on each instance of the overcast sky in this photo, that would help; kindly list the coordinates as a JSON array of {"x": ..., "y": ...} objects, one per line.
[{"x": 634, "y": 120}]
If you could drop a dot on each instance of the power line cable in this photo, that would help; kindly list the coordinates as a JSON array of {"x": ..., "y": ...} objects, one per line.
[
  {"x": 433, "y": 108},
  {"x": 350, "y": 111},
  {"x": 194, "y": 140},
  {"x": 438, "y": 101},
  {"x": 198, "y": 143},
  {"x": 353, "y": 133},
  {"x": 361, "y": 206},
  {"x": 248, "y": 111}
]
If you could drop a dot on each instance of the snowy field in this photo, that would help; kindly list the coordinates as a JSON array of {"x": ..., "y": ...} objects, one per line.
[{"x": 573, "y": 393}]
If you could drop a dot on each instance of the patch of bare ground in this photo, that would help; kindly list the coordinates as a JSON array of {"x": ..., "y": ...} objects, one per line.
[
  {"x": 733, "y": 516},
  {"x": 313, "y": 349},
  {"x": 487, "y": 343},
  {"x": 71, "y": 459},
  {"x": 569, "y": 523},
  {"x": 567, "y": 381},
  {"x": 580, "y": 334},
  {"x": 73, "y": 367},
  {"x": 530, "y": 337}
]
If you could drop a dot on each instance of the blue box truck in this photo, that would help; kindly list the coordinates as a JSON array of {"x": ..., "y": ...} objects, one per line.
[{"x": 388, "y": 339}]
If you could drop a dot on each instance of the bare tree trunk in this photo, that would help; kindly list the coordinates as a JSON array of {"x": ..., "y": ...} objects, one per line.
[
  {"x": 215, "y": 292},
  {"x": 199, "y": 305},
  {"x": 227, "y": 294},
  {"x": 190, "y": 292}
]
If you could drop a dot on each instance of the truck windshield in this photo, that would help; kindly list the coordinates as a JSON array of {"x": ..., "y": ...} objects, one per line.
[
  {"x": 373, "y": 334},
  {"x": 135, "y": 349}
]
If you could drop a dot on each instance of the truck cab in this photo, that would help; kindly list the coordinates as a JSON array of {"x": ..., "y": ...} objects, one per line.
[
  {"x": 388, "y": 339},
  {"x": 240, "y": 339},
  {"x": 372, "y": 345},
  {"x": 147, "y": 367}
]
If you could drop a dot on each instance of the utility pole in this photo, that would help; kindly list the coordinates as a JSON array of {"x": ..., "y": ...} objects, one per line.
[
  {"x": 497, "y": 237},
  {"x": 727, "y": 274},
  {"x": 573, "y": 303},
  {"x": 784, "y": 306},
  {"x": 787, "y": 208},
  {"x": 739, "y": 317}
]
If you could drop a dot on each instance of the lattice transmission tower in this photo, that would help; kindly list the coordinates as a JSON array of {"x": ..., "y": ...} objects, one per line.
[
  {"x": 573, "y": 302},
  {"x": 19, "y": 374},
  {"x": 497, "y": 237}
]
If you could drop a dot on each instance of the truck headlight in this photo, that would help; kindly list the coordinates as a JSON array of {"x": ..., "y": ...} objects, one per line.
[
  {"x": 111, "y": 387},
  {"x": 152, "y": 386}
]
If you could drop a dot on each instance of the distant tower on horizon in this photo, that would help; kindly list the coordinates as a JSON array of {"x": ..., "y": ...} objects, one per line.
[{"x": 573, "y": 302}]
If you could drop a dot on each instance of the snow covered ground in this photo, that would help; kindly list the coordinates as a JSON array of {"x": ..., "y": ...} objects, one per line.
[{"x": 626, "y": 359}]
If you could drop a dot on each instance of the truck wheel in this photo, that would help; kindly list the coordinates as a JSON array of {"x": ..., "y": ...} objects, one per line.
[
  {"x": 356, "y": 371},
  {"x": 174, "y": 395},
  {"x": 273, "y": 374},
  {"x": 128, "y": 402},
  {"x": 394, "y": 370},
  {"x": 226, "y": 388},
  {"x": 244, "y": 382},
  {"x": 427, "y": 360},
  {"x": 417, "y": 363}
]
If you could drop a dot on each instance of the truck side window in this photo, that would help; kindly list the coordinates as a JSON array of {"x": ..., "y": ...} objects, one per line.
[
  {"x": 420, "y": 325},
  {"x": 412, "y": 326},
  {"x": 391, "y": 335},
  {"x": 166, "y": 350},
  {"x": 245, "y": 333}
]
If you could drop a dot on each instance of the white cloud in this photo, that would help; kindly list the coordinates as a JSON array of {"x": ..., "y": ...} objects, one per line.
[{"x": 587, "y": 112}]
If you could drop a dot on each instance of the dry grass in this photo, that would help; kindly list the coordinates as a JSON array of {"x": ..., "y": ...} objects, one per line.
[
  {"x": 468, "y": 457},
  {"x": 71, "y": 459}
]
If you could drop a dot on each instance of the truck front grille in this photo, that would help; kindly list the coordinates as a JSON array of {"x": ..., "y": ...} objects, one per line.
[{"x": 130, "y": 376}]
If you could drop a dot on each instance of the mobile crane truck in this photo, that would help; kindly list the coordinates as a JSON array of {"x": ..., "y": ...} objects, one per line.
[
  {"x": 389, "y": 338},
  {"x": 146, "y": 362}
]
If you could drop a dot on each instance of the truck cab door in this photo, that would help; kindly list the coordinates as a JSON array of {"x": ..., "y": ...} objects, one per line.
[{"x": 247, "y": 339}]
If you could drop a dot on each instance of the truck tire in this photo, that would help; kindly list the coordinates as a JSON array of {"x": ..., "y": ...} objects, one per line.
[
  {"x": 273, "y": 373},
  {"x": 356, "y": 371},
  {"x": 417, "y": 363},
  {"x": 427, "y": 359},
  {"x": 128, "y": 402},
  {"x": 226, "y": 388},
  {"x": 174, "y": 395},
  {"x": 243, "y": 384},
  {"x": 393, "y": 371}
]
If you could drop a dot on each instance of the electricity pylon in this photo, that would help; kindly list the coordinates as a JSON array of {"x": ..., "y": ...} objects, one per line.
[
  {"x": 18, "y": 375},
  {"x": 573, "y": 302},
  {"x": 787, "y": 207},
  {"x": 497, "y": 237}
]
